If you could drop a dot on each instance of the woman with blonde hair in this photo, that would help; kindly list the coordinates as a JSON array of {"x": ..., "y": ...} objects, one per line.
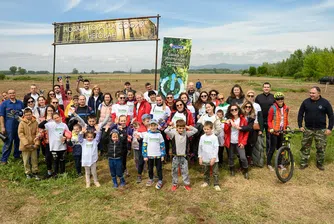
[{"x": 95, "y": 99}]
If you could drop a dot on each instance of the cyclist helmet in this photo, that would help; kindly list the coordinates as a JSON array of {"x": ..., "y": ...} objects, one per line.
[{"x": 279, "y": 95}]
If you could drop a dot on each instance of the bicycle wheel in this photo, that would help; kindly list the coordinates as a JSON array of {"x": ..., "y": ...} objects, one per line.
[{"x": 284, "y": 164}]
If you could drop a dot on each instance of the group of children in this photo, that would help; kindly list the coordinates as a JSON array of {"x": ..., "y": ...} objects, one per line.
[{"x": 114, "y": 141}]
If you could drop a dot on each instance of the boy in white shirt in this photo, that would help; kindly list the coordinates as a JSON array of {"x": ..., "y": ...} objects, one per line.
[
  {"x": 208, "y": 154},
  {"x": 154, "y": 152}
]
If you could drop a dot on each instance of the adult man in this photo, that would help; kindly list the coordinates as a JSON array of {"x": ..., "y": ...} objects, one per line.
[
  {"x": 265, "y": 99},
  {"x": 9, "y": 112},
  {"x": 33, "y": 93},
  {"x": 148, "y": 87},
  {"x": 59, "y": 96},
  {"x": 127, "y": 88},
  {"x": 83, "y": 110},
  {"x": 86, "y": 91},
  {"x": 198, "y": 85},
  {"x": 314, "y": 110},
  {"x": 192, "y": 93},
  {"x": 152, "y": 95}
]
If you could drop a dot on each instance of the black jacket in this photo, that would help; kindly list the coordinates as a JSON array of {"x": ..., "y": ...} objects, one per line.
[
  {"x": 314, "y": 114},
  {"x": 265, "y": 102},
  {"x": 115, "y": 149}
]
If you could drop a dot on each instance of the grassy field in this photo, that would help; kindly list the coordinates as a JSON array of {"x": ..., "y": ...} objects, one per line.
[{"x": 307, "y": 198}]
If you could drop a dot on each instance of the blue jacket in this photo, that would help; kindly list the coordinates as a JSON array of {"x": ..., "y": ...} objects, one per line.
[
  {"x": 95, "y": 105},
  {"x": 10, "y": 112}
]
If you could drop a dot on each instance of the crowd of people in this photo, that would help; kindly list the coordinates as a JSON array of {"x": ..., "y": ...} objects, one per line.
[{"x": 197, "y": 127}]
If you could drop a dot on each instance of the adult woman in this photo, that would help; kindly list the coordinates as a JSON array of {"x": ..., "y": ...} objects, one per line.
[
  {"x": 65, "y": 94},
  {"x": 105, "y": 109},
  {"x": 213, "y": 96},
  {"x": 120, "y": 108},
  {"x": 181, "y": 112},
  {"x": 170, "y": 101},
  {"x": 40, "y": 111},
  {"x": 141, "y": 107},
  {"x": 250, "y": 96},
  {"x": 211, "y": 116},
  {"x": 235, "y": 139},
  {"x": 250, "y": 115},
  {"x": 237, "y": 96},
  {"x": 222, "y": 104},
  {"x": 185, "y": 98},
  {"x": 130, "y": 101},
  {"x": 95, "y": 99},
  {"x": 31, "y": 104},
  {"x": 200, "y": 104},
  {"x": 51, "y": 95}
]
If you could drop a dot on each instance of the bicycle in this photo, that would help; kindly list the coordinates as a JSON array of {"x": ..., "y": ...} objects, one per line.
[{"x": 284, "y": 162}]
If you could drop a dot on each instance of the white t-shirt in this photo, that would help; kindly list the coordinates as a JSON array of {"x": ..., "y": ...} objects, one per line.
[
  {"x": 60, "y": 98},
  {"x": 35, "y": 96},
  {"x": 208, "y": 147},
  {"x": 86, "y": 93},
  {"x": 131, "y": 105},
  {"x": 147, "y": 98},
  {"x": 55, "y": 134},
  {"x": 178, "y": 116},
  {"x": 119, "y": 110},
  {"x": 89, "y": 154},
  {"x": 153, "y": 141},
  {"x": 235, "y": 132},
  {"x": 159, "y": 113},
  {"x": 202, "y": 110},
  {"x": 257, "y": 108}
]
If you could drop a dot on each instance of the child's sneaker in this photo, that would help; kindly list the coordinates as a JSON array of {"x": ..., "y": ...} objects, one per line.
[
  {"x": 158, "y": 185},
  {"x": 270, "y": 168},
  {"x": 88, "y": 185},
  {"x": 217, "y": 188},
  {"x": 97, "y": 184},
  {"x": 205, "y": 184},
  {"x": 28, "y": 176},
  {"x": 36, "y": 177},
  {"x": 187, "y": 187},
  {"x": 174, "y": 187},
  {"x": 149, "y": 183},
  {"x": 139, "y": 179}
]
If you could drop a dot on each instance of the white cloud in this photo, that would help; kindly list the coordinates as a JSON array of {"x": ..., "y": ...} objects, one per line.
[
  {"x": 70, "y": 4},
  {"x": 105, "y": 6}
]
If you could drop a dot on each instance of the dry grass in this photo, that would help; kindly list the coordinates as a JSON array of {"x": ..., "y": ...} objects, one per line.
[{"x": 307, "y": 198}]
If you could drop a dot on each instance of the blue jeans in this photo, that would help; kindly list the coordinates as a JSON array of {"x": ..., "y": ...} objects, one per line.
[
  {"x": 116, "y": 167},
  {"x": 7, "y": 147}
]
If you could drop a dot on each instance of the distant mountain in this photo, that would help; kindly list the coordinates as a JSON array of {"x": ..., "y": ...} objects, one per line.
[{"x": 225, "y": 65}]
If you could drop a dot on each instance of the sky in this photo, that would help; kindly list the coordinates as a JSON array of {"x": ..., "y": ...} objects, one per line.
[{"x": 222, "y": 31}]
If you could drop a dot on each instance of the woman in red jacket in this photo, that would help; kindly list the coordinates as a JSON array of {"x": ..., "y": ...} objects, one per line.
[
  {"x": 181, "y": 112},
  {"x": 141, "y": 107},
  {"x": 235, "y": 138}
]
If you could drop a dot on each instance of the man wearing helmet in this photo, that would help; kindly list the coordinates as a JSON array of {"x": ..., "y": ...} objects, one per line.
[
  {"x": 277, "y": 122},
  {"x": 314, "y": 111}
]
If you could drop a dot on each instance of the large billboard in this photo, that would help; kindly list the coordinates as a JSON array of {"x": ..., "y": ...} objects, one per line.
[
  {"x": 174, "y": 66},
  {"x": 136, "y": 29}
]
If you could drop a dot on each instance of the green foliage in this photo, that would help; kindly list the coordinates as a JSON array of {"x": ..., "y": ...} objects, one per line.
[
  {"x": 13, "y": 69},
  {"x": 145, "y": 71},
  {"x": 252, "y": 71},
  {"x": 262, "y": 70},
  {"x": 75, "y": 71},
  {"x": 2, "y": 76},
  {"x": 22, "y": 71}
]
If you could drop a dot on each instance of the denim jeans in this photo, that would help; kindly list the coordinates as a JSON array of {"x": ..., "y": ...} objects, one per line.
[
  {"x": 116, "y": 167},
  {"x": 7, "y": 147}
]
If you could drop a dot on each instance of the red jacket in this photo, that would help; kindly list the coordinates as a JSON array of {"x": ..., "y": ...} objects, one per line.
[
  {"x": 243, "y": 136},
  {"x": 61, "y": 113},
  {"x": 189, "y": 118},
  {"x": 144, "y": 108},
  {"x": 274, "y": 117}
]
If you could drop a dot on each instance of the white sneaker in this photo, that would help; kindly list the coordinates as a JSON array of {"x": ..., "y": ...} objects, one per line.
[
  {"x": 281, "y": 167},
  {"x": 270, "y": 168},
  {"x": 217, "y": 188},
  {"x": 205, "y": 184}
]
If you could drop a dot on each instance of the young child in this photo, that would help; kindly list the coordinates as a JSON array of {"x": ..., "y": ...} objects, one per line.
[
  {"x": 179, "y": 138},
  {"x": 27, "y": 131},
  {"x": 220, "y": 115},
  {"x": 56, "y": 129},
  {"x": 133, "y": 137},
  {"x": 208, "y": 154},
  {"x": 115, "y": 145},
  {"x": 154, "y": 152},
  {"x": 77, "y": 149},
  {"x": 89, "y": 154}
]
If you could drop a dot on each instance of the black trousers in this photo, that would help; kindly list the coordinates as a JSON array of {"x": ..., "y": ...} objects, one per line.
[
  {"x": 158, "y": 165},
  {"x": 48, "y": 157},
  {"x": 275, "y": 143},
  {"x": 77, "y": 162},
  {"x": 59, "y": 161}
]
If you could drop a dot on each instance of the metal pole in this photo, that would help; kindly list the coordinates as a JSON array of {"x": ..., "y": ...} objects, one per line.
[
  {"x": 54, "y": 65},
  {"x": 156, "y": 54}
]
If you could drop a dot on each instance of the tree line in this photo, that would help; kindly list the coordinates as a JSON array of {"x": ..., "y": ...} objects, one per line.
[{"x": 309, "y": 64}]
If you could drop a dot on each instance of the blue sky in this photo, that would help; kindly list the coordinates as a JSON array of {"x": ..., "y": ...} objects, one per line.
[{"x": 222, "y": 31}]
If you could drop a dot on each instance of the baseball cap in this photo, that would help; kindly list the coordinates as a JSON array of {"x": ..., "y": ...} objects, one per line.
[
  {"x": 153, "y": 121},
  {"x": 145, "y": 116}
]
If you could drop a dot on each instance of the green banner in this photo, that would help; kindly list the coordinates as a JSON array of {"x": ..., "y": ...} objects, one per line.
[
  {"x": 105, "y": 31},
  {"x": 174, "y": 66}
]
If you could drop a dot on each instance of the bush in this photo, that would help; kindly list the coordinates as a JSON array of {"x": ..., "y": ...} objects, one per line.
[
  {"x": 24, "y": 77},
  {"x": 2, "y": 76}
]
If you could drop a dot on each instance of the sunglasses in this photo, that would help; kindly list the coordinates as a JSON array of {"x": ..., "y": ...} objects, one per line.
[
  {"x": 249, "y": 107},
  {"x": 54, "y": 102},
  {"x": 51, "y": 94},
  {"x": 122, "y": 98},
  {"x": 30, "y": 101},
  {"x": 221, "y": 98},
  {"x": 169, "y": 97},
  {"x": 236, "y": 109},
  {"x": 212, "y": 94},
  {"x": 69, "y": 93},
  {"x": 281, "y": 98},
  {"x": 250, "y": 96},
  {"x": 179, "y": 105},
  {"x": 204, "y": 96}
]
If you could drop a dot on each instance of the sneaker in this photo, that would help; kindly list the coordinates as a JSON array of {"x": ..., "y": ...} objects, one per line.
[
  {"x": 28, "y": 176},
  {"x": 320, "y": 167},
  {"x": 149, "y": 183},
  {"x": 187, "y": 187},
  {"x": 87, "y": 185},
  {"x": 174, "y": 187},
  {"x": 158, "y": 185},
  {"x": 3, "y": 163},
  {"x": 36, "y": 177},
  {"x": 97, "y": 184},
  {"x": 139, "y": 179},
  {"x": 205, "y": 184},
  {"x": 217, "y": 188},
  {"x": 303, "y": 166},
  {"x": 270, "y": 168},
  {"x": 281, "y": 167}
]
